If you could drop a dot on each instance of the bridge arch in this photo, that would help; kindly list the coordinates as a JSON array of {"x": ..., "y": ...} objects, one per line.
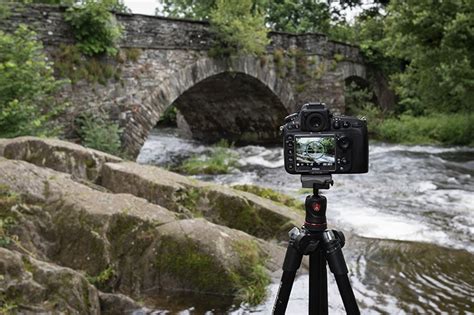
[{"x": 241, "y": 99}]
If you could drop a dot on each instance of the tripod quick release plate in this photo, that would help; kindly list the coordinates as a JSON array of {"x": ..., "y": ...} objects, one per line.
[{"x": 317, "y": 181}]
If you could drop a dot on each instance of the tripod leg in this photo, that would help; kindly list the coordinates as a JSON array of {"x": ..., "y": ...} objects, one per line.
[
  {"x": 290, "y": 266},
  {"x": 318, "y": 287},
  {"x": 337, "y": 264}
]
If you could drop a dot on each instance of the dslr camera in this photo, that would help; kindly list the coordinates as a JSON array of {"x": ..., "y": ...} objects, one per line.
[{"x": 317, "y": 142}]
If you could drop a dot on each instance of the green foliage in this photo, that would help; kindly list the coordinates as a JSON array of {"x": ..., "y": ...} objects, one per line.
[
  {"x": 4, "y": 11},
  {"x": 5, "y": 224},
  {"x": 220, "y": 161},
  {"x": 7, "y": 305},
  {"x": 296, "y": 16},
  {"x": 101, "y": 280},
  {"x": 7, "y": 200},
  {"x": 451, "y": 129},
  {"x": 95, "y": 27},
  {"x": 436, "y": 39},
  {"x": 169, "y": 116},
  {"x": 100, "y": 134},
  {"x": 360, "y": 102},
  {"x": 272, "y": 195},
  {"x": 238, "y": 29},
  {"x": 27, "y": 86}
]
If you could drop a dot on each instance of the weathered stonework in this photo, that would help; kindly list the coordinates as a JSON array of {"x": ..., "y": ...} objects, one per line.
[{"x": 174, "y": 68}]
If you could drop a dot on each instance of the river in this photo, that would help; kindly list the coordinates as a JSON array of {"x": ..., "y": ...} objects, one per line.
[{"x": 409, "y": 225}]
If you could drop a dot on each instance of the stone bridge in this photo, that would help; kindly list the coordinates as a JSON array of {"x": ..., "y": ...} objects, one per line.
[{"x": 242, "y": 98}]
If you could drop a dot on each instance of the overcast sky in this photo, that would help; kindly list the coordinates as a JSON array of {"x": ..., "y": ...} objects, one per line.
[{"x": 142, "y": 6}]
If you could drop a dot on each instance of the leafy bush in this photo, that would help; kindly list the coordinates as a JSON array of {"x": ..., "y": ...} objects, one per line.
[
  {"x": 95, "y": 28},
  {"x": 169, "y": 117},
  {"x": 221, "y": 161},
  {"x": 99, "y": 134},
  {"x": 238, "y": 29},
  {"x": 451, "y": 129},
  {"x": 359, "y": 102},
  {"x": 27, "y": 86}
]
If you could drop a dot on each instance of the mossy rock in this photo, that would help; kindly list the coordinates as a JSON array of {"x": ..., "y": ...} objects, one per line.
[
  {"x": 197, "y": 255},
  {"x": 59, "y": 155},
  {"x": 222, "y": 205}
]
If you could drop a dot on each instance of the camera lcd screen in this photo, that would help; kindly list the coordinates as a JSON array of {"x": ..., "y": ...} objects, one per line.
[{"x": 315, "y": 153}]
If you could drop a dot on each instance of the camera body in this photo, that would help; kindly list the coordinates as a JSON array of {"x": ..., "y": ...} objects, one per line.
[{"x": 317, "y": 142}]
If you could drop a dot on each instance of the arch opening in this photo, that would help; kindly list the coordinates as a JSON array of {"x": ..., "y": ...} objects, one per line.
[
  {"x": 358, "y": 94},
  {"x": 233, "y": 106}
]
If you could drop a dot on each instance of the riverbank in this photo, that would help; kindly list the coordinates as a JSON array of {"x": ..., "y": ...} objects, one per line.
[{"x": 435, "y": 129}]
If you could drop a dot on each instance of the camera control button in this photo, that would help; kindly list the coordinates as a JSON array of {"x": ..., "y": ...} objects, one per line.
[
  {"x": 289, "y": 138},
  {"x": 344, "y": 142},
  {"x": 346, "y": 124},
  {"x": 289, "y": 144},
  {"x": 290, "y": 151},
  {"x": 290, "y": 167},
  {"x": 336, "y": 124}
]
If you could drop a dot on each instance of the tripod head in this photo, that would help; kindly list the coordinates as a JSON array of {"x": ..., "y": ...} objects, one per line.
[
  {"x": 317, "y": 182},
  {"x": 315, "y": 205}
]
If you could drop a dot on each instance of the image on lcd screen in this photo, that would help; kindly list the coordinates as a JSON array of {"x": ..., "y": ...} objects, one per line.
[{"x": 315, "y": 151}]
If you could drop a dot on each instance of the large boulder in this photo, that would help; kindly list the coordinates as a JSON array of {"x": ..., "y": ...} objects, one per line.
[
  {"x": 30, "y": 286},
  {"x": 192, "y": 198},
  {"x": 123, "y": 242},
  {"x": 59, "y": 155}
]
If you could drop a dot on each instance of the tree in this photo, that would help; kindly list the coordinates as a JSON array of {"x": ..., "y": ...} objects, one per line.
[
  {"x": 436, "y": 40},
  {"x": 298, "y": 16},
  {"x": 27, "y": 86},
  {"x": 238, "y": 29}
]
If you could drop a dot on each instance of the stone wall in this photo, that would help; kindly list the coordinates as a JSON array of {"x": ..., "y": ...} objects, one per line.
[{"x": 174, "y": 59}]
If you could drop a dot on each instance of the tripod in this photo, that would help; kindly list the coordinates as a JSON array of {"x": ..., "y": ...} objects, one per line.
[{"x": 321, "y": 245}]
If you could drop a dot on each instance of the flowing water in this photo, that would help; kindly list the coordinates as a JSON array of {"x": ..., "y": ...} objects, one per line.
[{"x": 409, "y": 225}]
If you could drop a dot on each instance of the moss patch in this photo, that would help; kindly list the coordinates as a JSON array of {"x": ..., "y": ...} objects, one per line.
[
  {"x": 237, "y": 213},
  {"x": 185, "y": 262},
  {"x": 251, "y": 278},
  {"x": 272, "y": 195},
  {"x": 7, "y": 218}
]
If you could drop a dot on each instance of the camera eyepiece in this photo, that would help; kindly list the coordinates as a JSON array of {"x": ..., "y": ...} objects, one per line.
[{"x": 315, "y": 122}]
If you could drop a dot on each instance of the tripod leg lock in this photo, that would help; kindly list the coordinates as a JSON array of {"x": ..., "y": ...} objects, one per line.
[{"x": 332, "y": 245}]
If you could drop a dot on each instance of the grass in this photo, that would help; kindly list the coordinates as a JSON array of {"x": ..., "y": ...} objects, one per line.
[
  {"x": 448, "y": 129},
  {"x": 435, "y": 128},
  {"x": 221, "y": 161}
]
